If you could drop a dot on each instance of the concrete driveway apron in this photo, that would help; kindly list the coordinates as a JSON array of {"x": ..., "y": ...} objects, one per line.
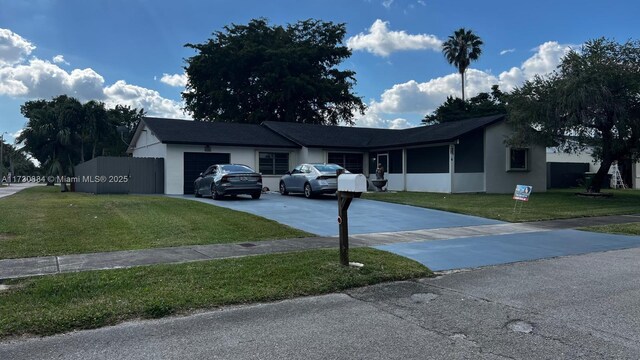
[
  {"x": 472, "y": 252},
  {"x": 320, "y": 216}
]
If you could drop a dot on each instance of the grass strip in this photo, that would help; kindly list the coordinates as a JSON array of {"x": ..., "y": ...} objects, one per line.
[
  {"x": 61, "y": 303},
  {"x": 622, "y": 229}
]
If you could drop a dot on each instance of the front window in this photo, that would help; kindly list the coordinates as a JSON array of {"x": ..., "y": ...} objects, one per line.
[
  {"x": 273, "y": 163},
  {"x": 353, "y": 162},
  {"x": 518, "y": 159}
]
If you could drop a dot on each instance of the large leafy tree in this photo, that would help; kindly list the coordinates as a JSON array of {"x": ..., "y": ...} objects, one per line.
[
  {"x": 593, "y": 99},
  {"x": 454, "y": 109},
  {"x": 17, "y": 162},
  {"x": 63, "y": 132},
  {"x": 122, "y": 119},
  {"x": 258, "y": 72},
  {"x": 52, "y": 134},
  {"x": 461, "y": 49}
]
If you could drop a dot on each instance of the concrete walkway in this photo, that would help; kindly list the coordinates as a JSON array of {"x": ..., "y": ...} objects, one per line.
[
  {"x": 14, "y": 188},
  {"x": 398, "y": 242}
]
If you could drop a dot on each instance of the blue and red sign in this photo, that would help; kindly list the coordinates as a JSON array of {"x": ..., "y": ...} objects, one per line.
[{"x": 522, "y": 192}]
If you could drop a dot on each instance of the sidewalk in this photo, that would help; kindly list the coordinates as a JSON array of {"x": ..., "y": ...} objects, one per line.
[
  {"x": 25, "y": 267},
  {"x": 15, "y": 187}
]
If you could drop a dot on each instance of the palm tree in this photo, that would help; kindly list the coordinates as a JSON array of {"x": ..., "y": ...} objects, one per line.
[{"x": 460, "y": 49}]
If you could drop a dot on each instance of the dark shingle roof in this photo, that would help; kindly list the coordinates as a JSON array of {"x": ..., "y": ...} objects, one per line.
[
  {"x": 369, "y": 138},
  {"x": 171, "y": 131},
  {"x": 444, "y": 132},
  {"x": 293, "y": 135},
  {"x": 326, "y": 136}
]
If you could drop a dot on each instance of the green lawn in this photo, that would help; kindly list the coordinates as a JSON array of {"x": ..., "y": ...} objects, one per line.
[
  {"x": 623, "y": 229},
  {"x": 553, "y": 204},
  {"x": 43, "y": 221},
  {"x": 61, "y": 303}
]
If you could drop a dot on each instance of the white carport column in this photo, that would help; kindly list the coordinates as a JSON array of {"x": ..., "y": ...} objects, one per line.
[{"x": 452, "y": 165}]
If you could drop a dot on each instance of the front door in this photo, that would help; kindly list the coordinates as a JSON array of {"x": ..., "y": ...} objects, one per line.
[{"x": 384, "y": 160}]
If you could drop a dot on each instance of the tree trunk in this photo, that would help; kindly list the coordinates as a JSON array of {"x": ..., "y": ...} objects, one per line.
[
  {"x": 462, "y": 75},
  {"x": 93, "y": 153},
  {"x": 596, "y": 183},
  {"x": 81, "y": 150}
]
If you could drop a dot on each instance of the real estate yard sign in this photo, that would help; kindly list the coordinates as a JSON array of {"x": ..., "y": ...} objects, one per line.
[
  {"x": 521, "y": 195},
  {"x": 522, "y": 192}
]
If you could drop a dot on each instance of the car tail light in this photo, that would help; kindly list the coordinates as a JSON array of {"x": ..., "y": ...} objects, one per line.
[
  {"x": 224, "y": 179},
  {"x": 322, "y": 178}
]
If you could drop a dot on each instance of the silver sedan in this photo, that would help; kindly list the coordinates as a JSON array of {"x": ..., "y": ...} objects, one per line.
[{"x": 311, "y": 180}]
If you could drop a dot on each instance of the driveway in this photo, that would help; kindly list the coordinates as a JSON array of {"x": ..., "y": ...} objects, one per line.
[
  {"x": 319, "y": 216},
  {"x": 472, "y": 252},
  {"x": 460, "y": 251}
]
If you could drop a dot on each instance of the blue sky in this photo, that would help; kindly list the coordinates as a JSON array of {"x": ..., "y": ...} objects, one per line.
[{"x": 131, "y": 51}]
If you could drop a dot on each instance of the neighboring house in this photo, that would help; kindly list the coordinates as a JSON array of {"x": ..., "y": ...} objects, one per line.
[
  {"x": 455, "y": 157},
  {"x": 561, "y": 166}
]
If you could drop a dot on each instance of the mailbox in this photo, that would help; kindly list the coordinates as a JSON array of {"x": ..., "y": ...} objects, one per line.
[{"x": 356, "y": 183}]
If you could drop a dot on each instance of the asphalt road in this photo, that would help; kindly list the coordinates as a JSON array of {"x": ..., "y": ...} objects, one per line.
[{"x": 584, "y": 306}]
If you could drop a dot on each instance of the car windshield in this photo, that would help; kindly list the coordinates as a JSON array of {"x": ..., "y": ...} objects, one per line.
[
  {"x": 236, "y": 169},
  {"x": 327, "y": 167}
]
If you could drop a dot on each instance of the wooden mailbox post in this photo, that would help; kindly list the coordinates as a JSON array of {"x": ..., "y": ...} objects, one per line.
[{"x": 349, "y": 186}]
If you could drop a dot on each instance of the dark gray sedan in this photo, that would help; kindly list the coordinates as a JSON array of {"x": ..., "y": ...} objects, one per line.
[
  {"x": 228, "y": 179},
  {"x": 311, "y": 180}
]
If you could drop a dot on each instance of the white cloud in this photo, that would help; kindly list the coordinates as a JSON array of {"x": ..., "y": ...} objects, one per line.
[
  {"x": 544, "y": 61},
  {"x": 507, "y": 51},
  {"x": 387, "y": 3},
  {"x": 399, "y": 123},
  {"x": 374, "y": 119},
  {"x": 422, "y": 98},
  {"x": 414, "y": 97},
  {"x": 59, "y": 59},
  {"x": 13, "y": 47},
  {"x": 177, "y": 80},
  {"x": 42, "y": 79},
  {"x": 421, "y": 2},
  {"x": 382, "y": 42},
  {"x": 140, "y": 97}
]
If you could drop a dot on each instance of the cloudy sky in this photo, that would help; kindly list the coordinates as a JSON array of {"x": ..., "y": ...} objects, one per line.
[{"x": 131, "y": 51}]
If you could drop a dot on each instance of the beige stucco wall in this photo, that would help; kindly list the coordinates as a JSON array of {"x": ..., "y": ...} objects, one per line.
[{"x": 497, "y": 178}]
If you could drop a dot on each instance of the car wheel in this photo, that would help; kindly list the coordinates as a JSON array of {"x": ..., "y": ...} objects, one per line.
[
  {"x": 307, "y": 191},
  {"x": 196, "y": 192},
  {"x": 256, "y": 195},
  {"x": 215, "y": 195},
  {"x": 283, "y": 188}
]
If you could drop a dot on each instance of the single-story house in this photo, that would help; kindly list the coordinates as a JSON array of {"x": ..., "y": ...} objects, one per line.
[{"x": 455, "y": 157}]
